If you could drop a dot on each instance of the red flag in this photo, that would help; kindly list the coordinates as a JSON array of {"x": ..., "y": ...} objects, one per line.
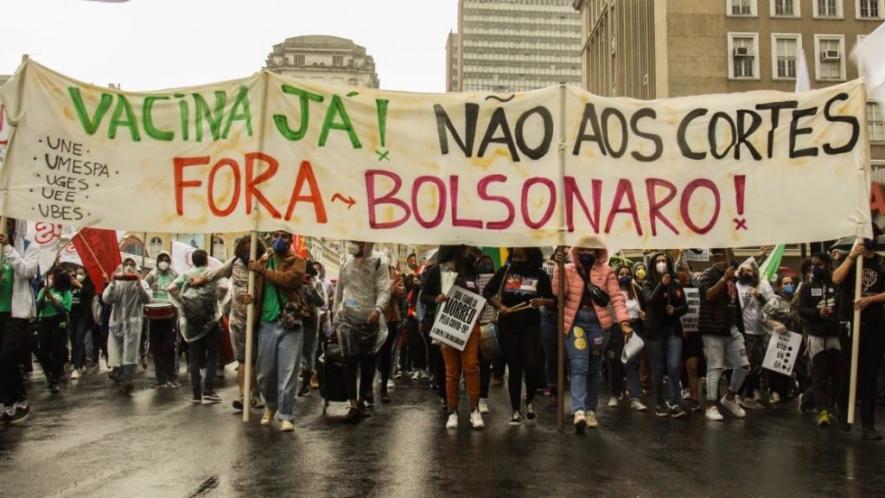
[{"x": 99, "y": 252}]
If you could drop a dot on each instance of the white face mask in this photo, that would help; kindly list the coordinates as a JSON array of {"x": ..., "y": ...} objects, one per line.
[
  {"x": 353, "y": 248},
  {"x": 81, "y": 277},
  {"x": 128, "y": 269},
  {"x": 661, "y": 267},
  {"x": 163, "y": 266}
]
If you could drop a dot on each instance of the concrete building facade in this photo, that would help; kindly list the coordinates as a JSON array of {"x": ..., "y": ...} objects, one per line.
[
  {"x": 514, "y": 45},
  {"x": 324, "y": 58}
]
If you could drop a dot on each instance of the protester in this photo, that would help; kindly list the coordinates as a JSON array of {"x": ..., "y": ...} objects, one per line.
[
  {"x": 590, "y": 287},
  {"x": 198, "y": 298},
  {"x": 127, "y": 294},
  {"x": 665, "y": 304},
  {"x": 721, "y": 324},
  {"x": 485, "y": 269},
  {"x": 549, "y": 338},
  {"x": 517, "y": 291},
  {"x": 617, "y": 370},
  {"x": 313, "y": 293},
  {"x": 872, "y": 339},
  {"x": 82, "y": 321},
  {"x": 53, "y": 308},
  {"x": 163, "y": 331},
  {"x": 752, "y": 298},
  {"x": 457, "y": 266},
  {"x": 393, "y": 318},
  {"x": 281, "y": 310},
  {"x": 779, "y": 319},
  {"x": 325, "y": 314}
]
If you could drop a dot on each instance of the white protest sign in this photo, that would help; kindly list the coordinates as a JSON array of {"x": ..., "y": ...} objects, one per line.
[
  {"x": 783, "y": 349},
  {"x": 690, "y": 319},
  {"x": 459, "y": 314},
  {"x": 696, "y": 255},
  {"x": 363, "y": 164}
]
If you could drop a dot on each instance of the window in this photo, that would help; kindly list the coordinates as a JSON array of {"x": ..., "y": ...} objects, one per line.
[
  {"x": 156, "y": 246},
  {"x": 875, "y": 122},
  {"x": 784, "y": 58},
  {"x": 218, "y": 248},
  {"x": 743, "y": 62},
  {"x": 860, "y": 39},
  {"x": 741, "y": 7},
  {"x": 827, "y": 8},
  {"x": 830, "y": 55},
  {"x": 869, "y": 9},
  {"x": 299, "y": 60},
  {"x": 785, "y": 8},
  {"x": 337, "y": 60}
]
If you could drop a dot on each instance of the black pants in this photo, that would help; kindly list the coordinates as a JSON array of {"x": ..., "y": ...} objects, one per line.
[
  {"x": 53, "y": 350},
  {"x": 826, "y": 374},
  {"x": 439, "y": 370},
  {"x": 163, "y": 336},
  {"x": 522, "y": 346},
  {"x": 385, "y": 355},
  {"x": 872, "y": 347},
  {"x": 485, "y": 376},
  {"x": 364, "y": 367},
  {"x": 205, "y": 347},
  {"x": 12, "y": 339}
]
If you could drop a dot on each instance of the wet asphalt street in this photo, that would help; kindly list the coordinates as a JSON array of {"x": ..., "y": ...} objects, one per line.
[{"x": 88, "y": 441}]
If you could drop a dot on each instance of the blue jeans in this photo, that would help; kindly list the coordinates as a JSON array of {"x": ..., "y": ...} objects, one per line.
[
  {"x": 585, "y": 363},
  {"x": 666, "y": 358},
  {"x": 721, "y": 350},
  {"x": 78, "y": 342},
  {"x": 550, "y": 344},
  {"x": 617, "y": 370},
  {"x": 279, "y": 356}
]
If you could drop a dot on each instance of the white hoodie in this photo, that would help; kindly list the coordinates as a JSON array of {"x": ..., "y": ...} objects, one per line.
[{"x": 25, "y": 270}]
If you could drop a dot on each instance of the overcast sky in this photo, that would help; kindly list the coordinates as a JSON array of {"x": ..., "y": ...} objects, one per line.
[{"x": 155, "y": 44}]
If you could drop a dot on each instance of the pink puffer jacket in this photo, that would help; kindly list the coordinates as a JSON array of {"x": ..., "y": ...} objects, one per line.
[{"x": 603, "y": 277}]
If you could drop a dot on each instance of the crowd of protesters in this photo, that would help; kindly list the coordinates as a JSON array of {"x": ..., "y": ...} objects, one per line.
[{"x": 377, "y": 317}]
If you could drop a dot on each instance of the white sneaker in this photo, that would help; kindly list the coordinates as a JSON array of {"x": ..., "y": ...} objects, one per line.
[
  {"x": 613, "y": 402},
  {"x": 483, "y": 406},
  {"x": 580, "y": 421},
  {"x": 267, "y": 418},
  {"x": 686, "y": 394},
  {"x": 476, "y": 420},
  {"x": 287, "y": 426},
  {"x": 75, "y": 374},
  {"x": 637, "y": 405},
  {"x": 774, "y": 399},
  {"x": 713, "y": 414},
  {"x": 390, "y": 384},
  {"x": 416, "y": 375},
  {"x": 452, "y": 422},
  {"x": 591, "y": 419},
  {"x": 749, "y": 404},
  {"x": 734, "y": 407}
]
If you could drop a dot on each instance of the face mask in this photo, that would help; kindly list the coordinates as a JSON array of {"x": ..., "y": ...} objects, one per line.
[
  {"x": 163, "y": 265},
  {"x": 818, "y": 273},
  {"x": 128, "y": 269},
  {"x": 789, "y": 289},
  {"x": 486, "y": 268},
  {"x": 81, "y": 278},
  {"x": 520, "y": 265},
  {"x": 625, "y": 280},
  {"x": 661, "y": 267},
  {"x": 869, "y": 244},
  {"x": 280, "y": 246},
  {"x": 587, "y": 260},
  {"x": 747, "y": 279},
  {"x": 641, "y": 274},
  {"x": 355, "y": 250}
]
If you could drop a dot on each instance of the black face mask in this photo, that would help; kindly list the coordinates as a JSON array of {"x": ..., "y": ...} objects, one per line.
[{"x": 869, "y": 244}]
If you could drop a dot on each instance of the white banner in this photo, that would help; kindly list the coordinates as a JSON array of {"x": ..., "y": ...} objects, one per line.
[
  {"x": 783, "y": 349},
  {"x": 269, "y": 152},
  {"x": 457, "y": 317}
]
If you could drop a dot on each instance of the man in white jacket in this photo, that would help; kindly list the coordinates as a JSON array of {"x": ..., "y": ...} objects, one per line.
[
  {"x": 16, "y": 308},
  {"x": 128, "y": 294}
]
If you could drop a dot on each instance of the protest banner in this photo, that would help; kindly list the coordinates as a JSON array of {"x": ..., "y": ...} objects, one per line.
[
  {"x": 782, "y": 352},
  {"x": 690, "y": 319},
  {"x": 540, "y": 168},
  {"x": 457, "y": 317}
]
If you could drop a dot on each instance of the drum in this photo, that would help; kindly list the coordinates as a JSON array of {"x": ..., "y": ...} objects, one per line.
[
  {"x": 489, "y": 345},
  {"x": 159, "y": 311}
]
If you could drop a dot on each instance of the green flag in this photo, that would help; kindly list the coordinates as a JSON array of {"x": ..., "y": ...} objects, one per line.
[{"x": 768, "y": 269}]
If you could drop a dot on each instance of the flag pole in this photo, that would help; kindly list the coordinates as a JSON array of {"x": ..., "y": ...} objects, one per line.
[
  {"x": 855, "y": 343},
  {"x": 91, "y": 253},
  {"x": 250, "y": 322},
  {"x": 560, "y": 267}
]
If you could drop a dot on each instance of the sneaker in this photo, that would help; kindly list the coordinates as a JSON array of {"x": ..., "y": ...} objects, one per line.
[
  {"x": 160, "y": 385},
  {"x": 369, "y": 401},
  {"x": 196, "y": 399},
  {"x": 391, "y": 385},
  {"x": 452, "y": 421},
  {"x": 476, "y": 420},
  {"x": 256, "y": 403},
  {"x": 871, "y": 434},
  {"x": 54, "y": 389},
  {"x": 75, "y": 374},
  {"x": 775, "y": 399},
  {"x": 238, "y": 405},
  {"x": 823, "y": 419},
  {"x": 416, "y": 375},
  {"x": 173, "y": 384},
  {"x": 353, "y": 416},
  {"x": 515, "y": 419},
  {"x": 686, "y": 394},
  {"x": 636, "y": 405},
  {"x": 363, "y": 409},
  {"x": 591, "y": 419},
  {"x": 126, "y": 390},
  {"x": 713, "y": 414},
  {"x": 483, "y": 406},
  {"x": 677, "y": 412},
  {"x": 304, "y": 391},
  {"x": 580, "y": 422},
  {"x": 662, "y": 411},
  {"x": 211, "y": 398},
  {"x": 613, "y": 402},
  {"x": 530, "y": 412},
  {"x": 287, "y": 426},
  {"x": 734, "y": 407},
  {"x": 749, "y": 403},
  {"x": 268, "y": 416},
  {"x": 18, "y": 415}
]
